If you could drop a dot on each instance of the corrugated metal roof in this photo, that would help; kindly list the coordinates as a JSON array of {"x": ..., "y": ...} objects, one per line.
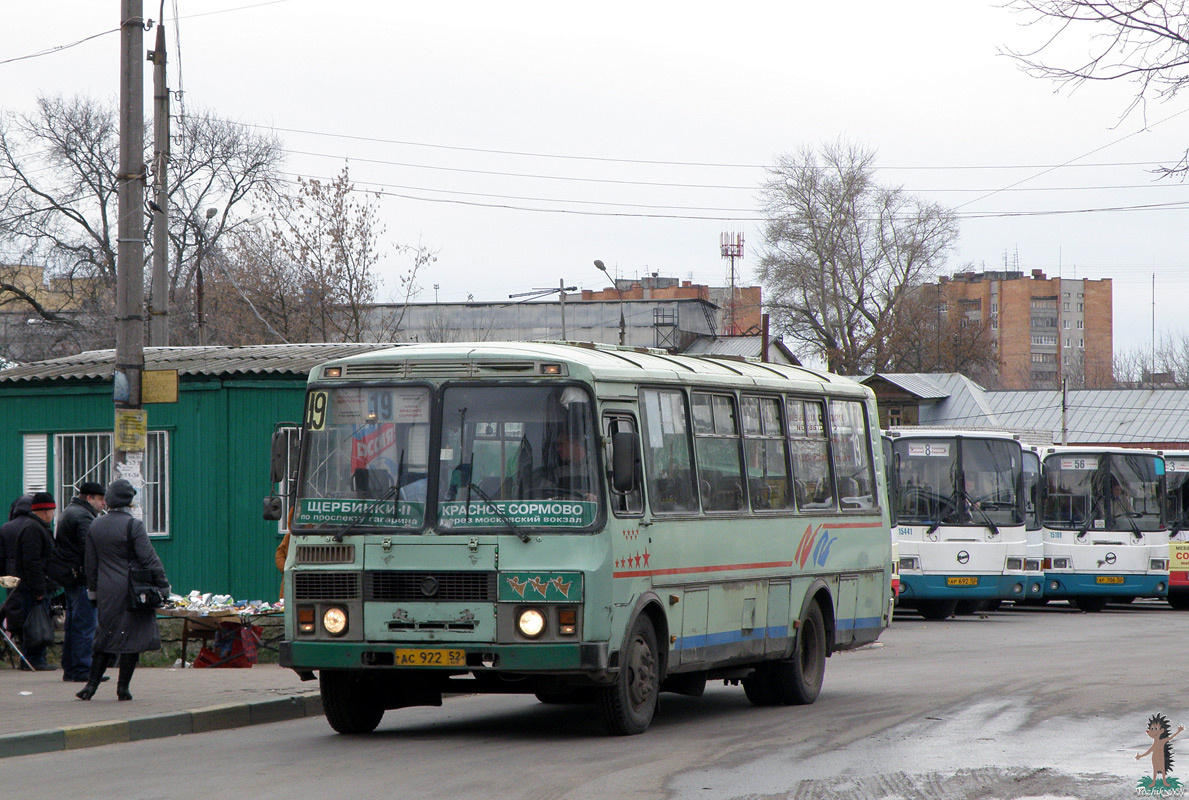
[
  {"x": 297, "y": 359},
  {"x": 921, "y": 385}
]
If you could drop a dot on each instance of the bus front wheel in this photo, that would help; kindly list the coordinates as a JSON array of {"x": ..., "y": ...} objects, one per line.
[
  {"x": 1179, "y": 601},
  {"x": 937, "y": 609},
  {"x": 629, "y": 703},
  {"x": 347, "y": 703}
]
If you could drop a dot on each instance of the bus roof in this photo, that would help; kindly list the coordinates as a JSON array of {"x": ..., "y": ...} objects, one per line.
[{"x": 602, "y": 363}]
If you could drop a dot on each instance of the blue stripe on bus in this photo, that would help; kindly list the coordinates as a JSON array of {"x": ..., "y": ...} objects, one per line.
[{"x": 774, "y": 632}]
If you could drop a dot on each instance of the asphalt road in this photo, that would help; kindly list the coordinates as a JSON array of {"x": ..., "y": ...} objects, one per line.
[{"x": 1043, "y": 702}]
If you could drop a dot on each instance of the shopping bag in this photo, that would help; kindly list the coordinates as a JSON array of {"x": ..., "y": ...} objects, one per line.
[{"x": 39, "y": 628}]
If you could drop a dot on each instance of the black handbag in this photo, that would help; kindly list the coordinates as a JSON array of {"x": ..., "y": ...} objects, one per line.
[
  {"x": 143, "y": 594},
  {"x": 39, "y": 628}
]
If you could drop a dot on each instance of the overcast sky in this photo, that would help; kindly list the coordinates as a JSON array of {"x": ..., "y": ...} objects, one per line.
[{"x": 524, "y": 140}]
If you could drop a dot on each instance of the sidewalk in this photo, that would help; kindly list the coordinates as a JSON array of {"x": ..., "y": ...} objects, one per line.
[{"x": 39, "y": 712}]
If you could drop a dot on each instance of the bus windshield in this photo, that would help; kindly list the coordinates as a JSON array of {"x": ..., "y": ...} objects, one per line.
[
  {"x": 951, "y": 481},
  {"x": 510, "y": 457},
  {"x": 523, "y": 454},
  {"x": 1176, "y": 477},
  {"x": 365, "y": 457},
  {"x": 1103, "y": 491}
]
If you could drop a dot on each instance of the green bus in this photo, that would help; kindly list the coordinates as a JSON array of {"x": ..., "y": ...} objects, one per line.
[{"x": 581, "y": 522}]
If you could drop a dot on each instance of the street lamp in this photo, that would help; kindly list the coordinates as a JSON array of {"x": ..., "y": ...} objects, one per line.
[{"x": 601, "y": 266}]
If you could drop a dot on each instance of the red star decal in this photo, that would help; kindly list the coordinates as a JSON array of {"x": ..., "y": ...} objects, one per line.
[
  {"x": 646, "y": 555},
  {"x": 637, "y": 558}
]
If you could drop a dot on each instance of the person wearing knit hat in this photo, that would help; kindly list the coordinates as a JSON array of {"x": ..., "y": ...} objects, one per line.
[
  {"x": 123, "y": 633},
  {"x": 66, "y": 567},
  {"x": 34, "y": 544}
]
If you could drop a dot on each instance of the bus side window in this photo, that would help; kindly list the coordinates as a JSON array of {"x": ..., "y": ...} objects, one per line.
[
  {"x": 813, "y": 483},
  {"x": 630, "y": 504},
  {"x": 668, "y": 462}
]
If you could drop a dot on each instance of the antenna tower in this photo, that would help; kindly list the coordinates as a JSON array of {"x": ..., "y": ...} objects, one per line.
[{"x": 731, "y": 247}]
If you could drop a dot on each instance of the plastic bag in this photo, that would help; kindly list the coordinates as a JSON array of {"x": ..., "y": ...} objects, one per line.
[{"x": 39, "y": 629}]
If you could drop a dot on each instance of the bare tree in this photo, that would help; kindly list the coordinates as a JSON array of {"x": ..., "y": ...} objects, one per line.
[
  {"x": 310, "y": 271},
  {"x": 841, "y": 253},
  {"x": 923, "y": 338},
  {"x": 58, "y": 193},
  {"x": 1144, "y": 43}
]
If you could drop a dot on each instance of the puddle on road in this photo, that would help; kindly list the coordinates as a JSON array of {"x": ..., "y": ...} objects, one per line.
[{"x": 985, "y": 750}]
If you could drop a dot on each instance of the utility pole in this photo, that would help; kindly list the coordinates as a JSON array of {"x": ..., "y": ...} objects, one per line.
[
  {"x": 561, "y": 293},
  {"x": 159, "y": 304},
  {"x": 535, "y": 293},
  {"x": 130, "y": 424}
]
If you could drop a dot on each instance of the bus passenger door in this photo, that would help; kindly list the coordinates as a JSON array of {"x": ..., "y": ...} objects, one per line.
[
  {"x": 848, "y": 603},
  {"x": 695, "y": 615}
]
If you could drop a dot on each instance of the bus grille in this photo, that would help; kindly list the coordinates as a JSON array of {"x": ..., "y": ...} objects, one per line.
[
  {"x": 325, "y": 554},
  {"x": 443, "y": 587},
  {"x": 325, "y": 585}
]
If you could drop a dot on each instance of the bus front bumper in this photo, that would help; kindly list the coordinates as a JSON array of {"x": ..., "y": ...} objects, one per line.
[
  {"x": 1074, "y": 584},
  {"x": 540, "y": 658},
  {"x": 943, "y": 587}
]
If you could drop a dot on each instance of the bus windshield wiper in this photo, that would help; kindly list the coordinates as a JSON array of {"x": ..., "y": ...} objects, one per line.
[
  {"x": 952, "y": 502},
  {"x": 366, "y": 514},
  {"x": 471, "y": 487},
  {"x": 983, "y": 513},
  {"x": 1097, "y": 506}
]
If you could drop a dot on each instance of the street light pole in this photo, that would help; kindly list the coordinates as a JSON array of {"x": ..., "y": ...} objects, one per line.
[{"x": 622, "y": 326}]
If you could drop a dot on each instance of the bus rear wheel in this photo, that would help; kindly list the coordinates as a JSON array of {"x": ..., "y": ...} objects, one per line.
[
  {"x": 937, "y": 609},
  {"x": 347, "y": 703},
  {"x": 796, "y": 680},
  {"x": 629, "y": 704}
]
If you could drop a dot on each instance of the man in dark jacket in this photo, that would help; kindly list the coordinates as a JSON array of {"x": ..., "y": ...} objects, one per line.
[
  {"x": 70, "y": 549},
  {"x": 8, "y": 533},
  {"x": 34, "y": 544}
]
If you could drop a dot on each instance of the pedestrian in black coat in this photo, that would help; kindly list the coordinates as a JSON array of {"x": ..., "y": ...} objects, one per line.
[
  {"x": 70, "y": 550},
  {"x": 116, "y": 544},
  {"x": 34, "y": 544},
  {"x": 8, "y": 533}
]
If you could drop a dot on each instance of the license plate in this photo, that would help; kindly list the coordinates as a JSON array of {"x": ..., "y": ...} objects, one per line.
[
  {"x": 1109, "y": 579},
  {"x": 971, "y": 581},
  {"x": 426, "y": 657}
]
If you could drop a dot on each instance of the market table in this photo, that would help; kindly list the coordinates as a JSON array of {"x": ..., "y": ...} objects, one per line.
[{"x": 203, "y": 624}]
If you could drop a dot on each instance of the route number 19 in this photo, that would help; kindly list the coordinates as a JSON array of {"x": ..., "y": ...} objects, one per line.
[{"x": 316, "y": 411}]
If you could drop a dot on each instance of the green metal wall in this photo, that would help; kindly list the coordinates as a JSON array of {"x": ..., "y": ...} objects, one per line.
[{"x": 219, "y": 435}]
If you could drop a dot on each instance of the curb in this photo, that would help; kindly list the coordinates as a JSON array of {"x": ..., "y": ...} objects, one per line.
[{"x": 198, "y": 720}]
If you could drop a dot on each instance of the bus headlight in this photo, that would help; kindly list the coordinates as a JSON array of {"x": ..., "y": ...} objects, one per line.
[
  {"x": 1158, "y": 565},
  {"x": 1015, "y": 563},
  {"x": 909, "y": 563},
  {"x": 531, "y": 622},
  {"x": 334, "y": 621},
  {"x": 1060, "y": 563}
]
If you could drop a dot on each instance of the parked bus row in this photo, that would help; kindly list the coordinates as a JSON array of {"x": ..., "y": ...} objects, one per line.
[
  {"x": 579, "y": 522},
  {"x": 982, "y": 518}
]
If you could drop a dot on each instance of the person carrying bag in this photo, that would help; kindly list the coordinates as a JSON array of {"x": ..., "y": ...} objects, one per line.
[{"x": 117, "y": 547}]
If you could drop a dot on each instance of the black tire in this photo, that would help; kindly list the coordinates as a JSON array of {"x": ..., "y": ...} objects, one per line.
[
  {"x": 992, "y": 605},
  {"x": 759, "y": 688},
  {"x": 936, "y": 609},
  {"x": 1179, "y": 601},
  {"x": 628, "y": 705},
  {"x": 347, "y": 703},
  {"x": 798, "y": 681},
  {"x": 1090, "y": 605}
]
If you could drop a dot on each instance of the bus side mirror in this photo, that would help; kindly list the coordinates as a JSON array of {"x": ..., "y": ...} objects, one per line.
[
  {"x": 624, "y": 446},
  {"x": 273, "y": 508},
  {"x": 279, "y": 457}
]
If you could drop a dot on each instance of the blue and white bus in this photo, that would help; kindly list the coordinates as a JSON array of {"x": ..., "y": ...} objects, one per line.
[
  {"x": 960, "y": 519},
  {"x": 1104, "y": 529}
]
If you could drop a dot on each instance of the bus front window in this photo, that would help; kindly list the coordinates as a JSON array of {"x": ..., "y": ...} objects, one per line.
[
  {"x": 927, "y": 490},
  {"x": 520, "y": 454},
  {"x": 366, "y": 457}
]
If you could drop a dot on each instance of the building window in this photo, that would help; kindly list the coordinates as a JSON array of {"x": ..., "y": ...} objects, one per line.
[
  {"x": 994, "y": 323},
  {"x": 994, "y": 308},
  {"x": 1081, "y": 307},
  {"x": 894, "y": 416},
  {"x": 1065, "y": 306},
  {"x": 1067, "y": 341},
  {"x": 1081, "y": 343},
  {"x": 82, "y": 457},
  {"x": 1081, "y": 324},
  {"x": 1065, "y": 324}
]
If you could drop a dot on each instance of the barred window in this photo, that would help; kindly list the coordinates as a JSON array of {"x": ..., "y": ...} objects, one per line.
[{"x": 82, "y": 457}]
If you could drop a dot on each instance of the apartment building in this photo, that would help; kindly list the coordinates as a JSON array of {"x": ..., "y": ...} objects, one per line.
[{"x": 1043, "y": 329}]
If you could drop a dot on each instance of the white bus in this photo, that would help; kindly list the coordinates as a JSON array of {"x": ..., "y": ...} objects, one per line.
[
  {"x": 960, "y": 519},
  {"x": 1104, "y": 531}
]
